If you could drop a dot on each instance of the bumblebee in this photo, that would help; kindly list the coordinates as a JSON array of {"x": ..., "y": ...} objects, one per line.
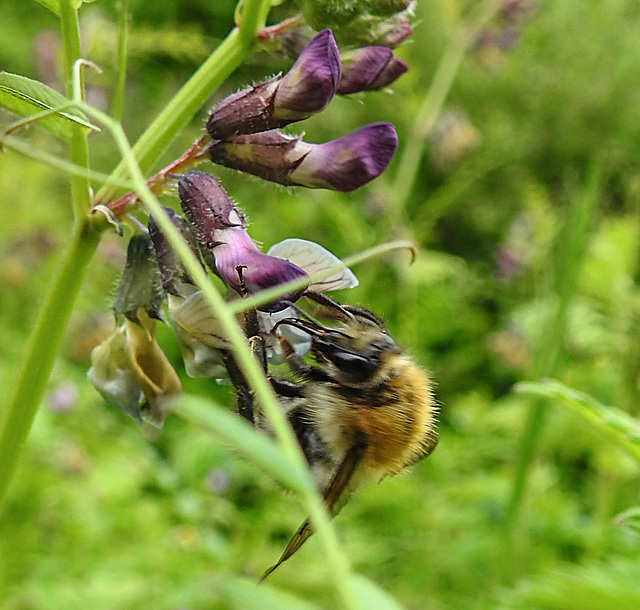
[{"x": 363, "y": 410}]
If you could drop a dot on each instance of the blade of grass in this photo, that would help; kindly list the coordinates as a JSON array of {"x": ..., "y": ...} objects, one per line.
[
  {"x": 616, "y": 425},
  {"x": 570, "y": 248}
]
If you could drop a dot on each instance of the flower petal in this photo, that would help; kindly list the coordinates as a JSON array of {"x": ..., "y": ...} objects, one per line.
[
  {"x": 312, "y": 258},
  {"x": 349, "y": 162}
]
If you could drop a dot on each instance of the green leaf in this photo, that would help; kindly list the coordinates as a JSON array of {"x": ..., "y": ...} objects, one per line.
[
  {"x": 24, "y": 96},
  {"x": 54, "y": 5},
  {"x": 243, "y": 594},
  {"x": 245, "y": 439},
  {"x": 614, "y": 423}
]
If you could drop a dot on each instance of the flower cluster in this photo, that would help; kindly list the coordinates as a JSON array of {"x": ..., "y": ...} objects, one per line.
[
  {"x": 243, "y": 126},
  {"x": 129, "y": 368}
]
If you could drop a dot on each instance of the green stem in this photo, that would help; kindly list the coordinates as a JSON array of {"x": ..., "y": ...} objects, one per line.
[
  {"x": 123, "y": 37},
  {"x": 43, "y": 346},
  {"x": 78, "y": 148},
  {"x": 188, "y": 101},
  {"x": 52, "y": 320}
]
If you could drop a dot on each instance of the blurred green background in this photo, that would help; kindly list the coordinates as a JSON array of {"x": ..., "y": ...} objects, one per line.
[{"x": 525, "y": 210}]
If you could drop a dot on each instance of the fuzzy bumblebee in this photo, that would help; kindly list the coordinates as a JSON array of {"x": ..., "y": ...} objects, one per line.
[{"x": 363, "y": 410}]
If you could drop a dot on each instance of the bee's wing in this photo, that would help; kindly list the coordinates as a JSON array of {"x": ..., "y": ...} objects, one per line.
[{"x": 331, "y": 496}]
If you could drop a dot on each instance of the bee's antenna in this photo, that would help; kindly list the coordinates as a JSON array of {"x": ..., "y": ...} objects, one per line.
[{"x": 328, "y": 302}]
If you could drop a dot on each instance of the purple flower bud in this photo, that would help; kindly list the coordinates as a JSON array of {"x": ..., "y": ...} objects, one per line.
[
  {"x": 247, "y": 111},
  {"x": 306, "y": 89},
  {"x": 393, "y": 33},
  {"x": 270, "y": 155},
  {"x": 312, "y": 81},
  {"x": 369, "y": 68},
  {"x": 343, "y": 165},
  {"x": 207, "y": 208},
  {"x": 174, "y": 276},
  {"x": 349, "y": 162}
]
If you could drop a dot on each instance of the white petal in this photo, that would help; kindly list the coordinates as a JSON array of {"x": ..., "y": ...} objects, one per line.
[
  {"x": 194, "y": 315},
  {"x": 312, "y": 257}
]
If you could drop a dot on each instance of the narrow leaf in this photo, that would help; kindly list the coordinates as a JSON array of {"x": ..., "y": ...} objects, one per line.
[
  {"x": 25, "y": 97},
  {"x": 614, "y": 423},
  {"x": 245, "y": 439}
]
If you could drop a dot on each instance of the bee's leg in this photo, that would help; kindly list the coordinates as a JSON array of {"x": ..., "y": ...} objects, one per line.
[
  {"x": 327, "y": 302},
  {"x": 299, "y": 366}
]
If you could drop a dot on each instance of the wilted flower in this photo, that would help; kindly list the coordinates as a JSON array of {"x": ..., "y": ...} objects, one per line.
[
  {"x": 369, "y": 68},
  {"x": 306, "y": 89},
  {"x": 343, "y": 165},
  {"x": 129, "y": 369}
]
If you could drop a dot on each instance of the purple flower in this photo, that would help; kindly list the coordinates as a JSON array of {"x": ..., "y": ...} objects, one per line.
[
  {"x": 306, "y": 89},
  {"x": 227, "y": 247},
  {"x": 369, "y": 68},
  {"x": 343, "y": 165},
  {"x": 312, "y": 81},
  {"x": 244, "y": 268}
]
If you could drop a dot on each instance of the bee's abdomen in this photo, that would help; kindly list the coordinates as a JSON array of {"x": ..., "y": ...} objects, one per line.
[{"x": 396, "y": 422}]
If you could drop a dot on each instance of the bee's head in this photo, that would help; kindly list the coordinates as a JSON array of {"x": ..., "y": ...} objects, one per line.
[{"x": 354, "y": 349}]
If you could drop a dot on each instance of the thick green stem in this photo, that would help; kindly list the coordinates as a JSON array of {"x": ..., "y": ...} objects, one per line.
[
  {"x": 123, "y": 37},
  {"x": 52, "y": 320},
  {"x": 41, "y": 352},
  {"x": 78, "y": 148}
]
